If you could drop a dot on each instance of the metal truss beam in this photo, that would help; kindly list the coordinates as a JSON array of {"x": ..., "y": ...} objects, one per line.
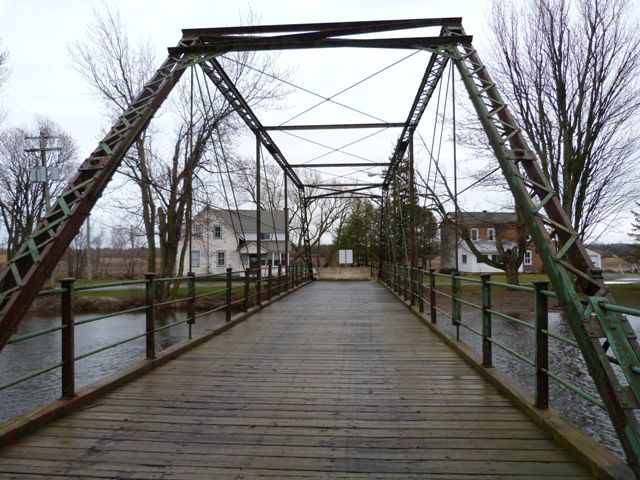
[
  {"x": 430, "y": 79},
  {"x": 254, "y": 44},
  {"x": 333, "y": 165},
  {"x": 24, "y": 275},
  {"x": 225, "y": 85},
  {"x": 335, "y": 126},
  {"x": 324, "y": 29},
  {"x": 577, "y": 283},
  {"x": 335, "y": 185}
]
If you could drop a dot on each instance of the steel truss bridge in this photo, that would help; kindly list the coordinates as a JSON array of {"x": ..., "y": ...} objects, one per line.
[{"x": 603, "y": 334}]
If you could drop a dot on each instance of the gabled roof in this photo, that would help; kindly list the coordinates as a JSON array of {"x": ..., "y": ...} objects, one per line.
[
  {"x": 245, "y": 220},
  {"x": 486, "y": 218}
]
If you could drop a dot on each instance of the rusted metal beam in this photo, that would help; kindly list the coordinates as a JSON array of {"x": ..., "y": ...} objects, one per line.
[
  {"x": 255, "y": 44},
  {"x": 430, "y": 79},
  {"x": 333, "y": 28},
  {"x": 225, "y": 85}
]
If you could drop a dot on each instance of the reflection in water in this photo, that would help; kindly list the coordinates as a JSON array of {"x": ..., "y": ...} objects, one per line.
[
  {"x": 40, "y": 352},
  {"x": 564, "y": 361}
]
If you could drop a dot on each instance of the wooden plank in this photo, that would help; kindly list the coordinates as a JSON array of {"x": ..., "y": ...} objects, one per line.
[{"x": 337, "y": 380}]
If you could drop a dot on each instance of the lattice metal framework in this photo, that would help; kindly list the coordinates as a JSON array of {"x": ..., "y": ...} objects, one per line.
[{"x": 578, "y": 285}]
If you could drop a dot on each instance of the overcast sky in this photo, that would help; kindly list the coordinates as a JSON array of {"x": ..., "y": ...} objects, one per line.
[{"x": 37, "y": 33}]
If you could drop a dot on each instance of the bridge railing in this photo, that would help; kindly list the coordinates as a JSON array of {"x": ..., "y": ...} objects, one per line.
[
  {"x": 225, "y": 292},
  {"x": 438, "y": 296}
]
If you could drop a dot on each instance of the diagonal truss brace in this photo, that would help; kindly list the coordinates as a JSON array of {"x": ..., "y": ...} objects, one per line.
[
  {"x": 23, "y": 276},
  {"x": 578, "y": 284},
  {"x": 227, "y": 88},
  {"x": 430, "y": 79}
]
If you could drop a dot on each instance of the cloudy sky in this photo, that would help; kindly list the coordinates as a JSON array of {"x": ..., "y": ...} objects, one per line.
[{"x": 37, "y": 34}]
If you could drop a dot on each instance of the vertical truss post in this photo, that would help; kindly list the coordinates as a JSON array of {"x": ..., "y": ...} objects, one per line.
[
  {"x": 382, "y": 240},
  {"x": 286, "y": 229},
  {"x": 258, "y": 228},
  {"x": 413, "y": 250},
  {"x": 577, "y": 283},
  {"x": 305, "y": 231}
]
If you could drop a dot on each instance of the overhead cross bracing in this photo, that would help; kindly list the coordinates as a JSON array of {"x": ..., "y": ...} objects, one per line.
[{"x": 578, "y": 284}]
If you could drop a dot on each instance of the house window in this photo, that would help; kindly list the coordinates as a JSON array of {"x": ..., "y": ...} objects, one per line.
[
  {"x": 528, "y": 258},
  {"x": 474, "y": 234},
  {"x": 464, "y": 258},
  {"x": 491, "y": 233},
  {"x": 265, "y": 236},
  {"x": 197, "y": 230},
  {"x": 217, "y": 231},
  {"x": 221, "y": 258},
  {"x": 495, "y": 258},
  {"x": 195, "y": 258}
]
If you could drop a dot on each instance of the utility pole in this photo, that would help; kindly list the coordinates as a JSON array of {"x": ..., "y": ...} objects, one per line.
[{"x": 41, "y": 173}]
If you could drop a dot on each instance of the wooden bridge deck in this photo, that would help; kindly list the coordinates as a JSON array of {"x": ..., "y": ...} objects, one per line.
[{"x": 337, "y": 380}]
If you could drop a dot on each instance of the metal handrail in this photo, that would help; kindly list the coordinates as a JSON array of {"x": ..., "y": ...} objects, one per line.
[
  {"x": 398, "y": 277},
  {"x": 291, "y": 277}
]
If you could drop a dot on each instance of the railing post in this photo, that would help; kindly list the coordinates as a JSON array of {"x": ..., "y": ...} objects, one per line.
[
  {"x": 432, "y": 296},
  {"x": 151, "y": 315},
  {"x": 227, "y": 316},
  {"x": 269, "y": 283},
  {"x": 487, "y": 354},
  {"x": 405, "y": 280},
  {"x": 247, "y": 275},
  {"x": 68, "y": 338},
  {"x": 420, "y": 290},
  {"x": 413, "y": 285},
  {"x": 455, "y": 302},
  {"x": 259, "y": 283},
  {"x": 279, "y": 280},
  {"x": 191, "y": 303},
  {"x": 542, "y": 345}
]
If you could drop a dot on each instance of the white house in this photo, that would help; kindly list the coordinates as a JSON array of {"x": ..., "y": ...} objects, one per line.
[
  {"x": 228, "y": 238},
  {"x": 595, "y": 257}
]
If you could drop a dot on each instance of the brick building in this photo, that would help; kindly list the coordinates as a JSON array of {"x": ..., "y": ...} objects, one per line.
[{"x": 483, "y": 229}]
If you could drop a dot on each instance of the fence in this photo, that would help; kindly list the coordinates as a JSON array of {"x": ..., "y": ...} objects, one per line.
[
  {"x": 256, "y": 286},
  {"x": 424, "y": 289}
]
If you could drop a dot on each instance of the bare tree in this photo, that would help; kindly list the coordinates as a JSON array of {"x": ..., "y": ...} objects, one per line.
[
  {"x": 569, "y": 68},
  {"x": 126, "y": 240},
  {"x": 22, "y": 201},
  {"x": 4, "y": 73},
  {"x": 117, "y": 70}
]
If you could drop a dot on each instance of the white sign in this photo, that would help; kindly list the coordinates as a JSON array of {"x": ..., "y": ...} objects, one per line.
[{"x": 345, "y": 257}]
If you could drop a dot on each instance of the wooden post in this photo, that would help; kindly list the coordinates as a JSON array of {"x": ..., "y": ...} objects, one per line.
[
  {"x": 487, "y": 354},
  {"x": 286, "y": 228},
  {"x": 269, "y": 283},
  {"x": 245, "y": 304},
  {"x": 68, "y": 337},
  {"x": 432, "y": 295},
  {"x": 455, "y": 302},
  {"x": 229, "y": 292},
  {"x": 542, "y": 345},
  {"x": 151, "y": 315}
]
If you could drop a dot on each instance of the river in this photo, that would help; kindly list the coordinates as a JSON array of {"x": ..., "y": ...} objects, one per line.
[{"x": 40, "y": 352}]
